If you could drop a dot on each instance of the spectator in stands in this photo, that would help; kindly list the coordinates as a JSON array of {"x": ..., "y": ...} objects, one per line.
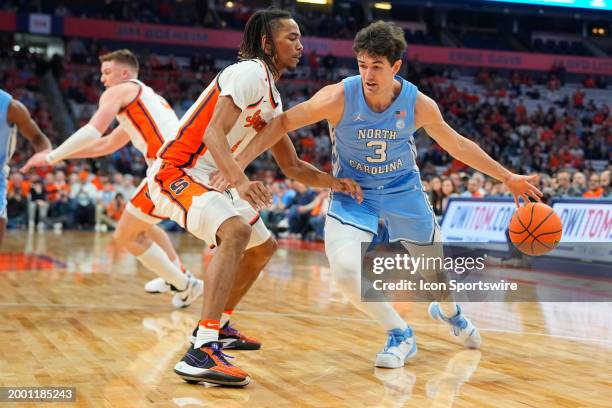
[
  {"x": 61, "y": 211},
  {"x": 473, "y": 189},
  {"x": 318, "y": 214},
  {"x": 458, "y": 186},
  {"x": 104, "y": 199},
  {"x": 605, "y": 183},
  {"x": 109, "y": 217},
  {"x": 595, "y": 190},
  {"x": 579, "y": 181},
  {"x": 564, "y": 187},
  {"x": 299, "y": 212},
  {"x": 448, "y": 191},
  {"x": 37, "y": 205},
  {"x": 17, "y": 201},
  {"x": 436, "y": 196},
  {"x": 83, "y": 193}
]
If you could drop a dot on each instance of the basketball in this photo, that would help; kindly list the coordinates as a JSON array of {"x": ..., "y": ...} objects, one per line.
[{"x": 535, "y": 229}]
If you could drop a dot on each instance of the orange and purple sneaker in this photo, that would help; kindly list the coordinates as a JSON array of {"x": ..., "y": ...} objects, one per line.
[{"x": 209, "y": 364}]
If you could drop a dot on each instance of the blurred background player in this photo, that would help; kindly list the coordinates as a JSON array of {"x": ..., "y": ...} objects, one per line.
[
  {"x": 372, "y": 118},
  {"x": 147, "y": 120},
  {"x": 14, "y": 117}
]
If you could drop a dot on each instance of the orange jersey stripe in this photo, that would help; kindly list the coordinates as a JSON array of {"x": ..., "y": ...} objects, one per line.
[
  {"x": 188, "y": 145},
  {"x": 142, "y": 120}
]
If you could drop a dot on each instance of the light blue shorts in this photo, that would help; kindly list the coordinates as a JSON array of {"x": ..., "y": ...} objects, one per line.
[{"x": 403, "y": 207}]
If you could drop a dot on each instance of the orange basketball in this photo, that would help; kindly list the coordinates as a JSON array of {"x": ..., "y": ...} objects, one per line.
[{"x": 535, "y": 229}]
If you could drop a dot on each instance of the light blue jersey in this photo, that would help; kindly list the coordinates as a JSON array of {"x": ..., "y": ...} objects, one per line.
[
  {"x": 7, "y": 146},
  {"x": 377, "y": 150},
  {"x": 374, "y": 149}
]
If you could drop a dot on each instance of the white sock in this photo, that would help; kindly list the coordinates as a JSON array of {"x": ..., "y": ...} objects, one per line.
[
  {"x": 340, "y": 241},
  {"x": 449, "y": 309},
  {"x": 208, "y": 330},
  {"x": 225, "y": 317},
  {"x": 177, "y": 262},
  {"x": 157, "y": 260}
]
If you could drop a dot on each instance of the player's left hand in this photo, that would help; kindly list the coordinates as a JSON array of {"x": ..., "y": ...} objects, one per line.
[
  {"x": 348, "y": 186},
  {"x": 217, "y": 181},
  {"x": 38, "y": 160},
  {"x": 521, "y": 186}
]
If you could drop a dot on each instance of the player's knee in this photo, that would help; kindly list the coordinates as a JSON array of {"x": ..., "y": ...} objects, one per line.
[
  {"x": 268, "y": 248},
  {"x": 234, "y": 231}
]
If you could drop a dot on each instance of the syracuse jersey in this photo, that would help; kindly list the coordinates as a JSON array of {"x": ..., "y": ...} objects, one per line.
[
  {"x": 251, "y": 86},
  {"x": 149, "y": 120}
]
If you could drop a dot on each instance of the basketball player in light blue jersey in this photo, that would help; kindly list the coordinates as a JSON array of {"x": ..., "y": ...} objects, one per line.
[
  {"x": 372, "y": 119},
  {"x": 14, "y": 116}
]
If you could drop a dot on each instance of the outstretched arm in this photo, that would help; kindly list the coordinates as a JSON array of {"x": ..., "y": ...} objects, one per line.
[
  {"x": 19, "y": 115},
  {"x": 428, "y": 116},
  {"x": 327, "y": 104},
  {"x": 285, "y": 155},
  {"x": 106, "y": 145},
  {"x": 111, "y": 102}
]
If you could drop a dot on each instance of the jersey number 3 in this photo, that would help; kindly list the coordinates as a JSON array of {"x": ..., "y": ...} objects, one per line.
[
  {"x": 380, "y": 150},
  {"x": 178, "y": 186}
]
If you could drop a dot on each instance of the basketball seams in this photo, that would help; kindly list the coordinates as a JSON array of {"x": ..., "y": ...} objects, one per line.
[{"x": 531, "y": 242}]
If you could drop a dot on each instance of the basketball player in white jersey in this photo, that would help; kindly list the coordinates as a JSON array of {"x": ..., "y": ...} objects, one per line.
[
  {"x": 225, "y": 118},
  {"x": 146, "y": 120}
]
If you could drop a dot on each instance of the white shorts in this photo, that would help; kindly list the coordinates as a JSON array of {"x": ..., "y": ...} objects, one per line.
[
  {"x": 141, "y": 206},
  {"x": 186, "y": 198}
]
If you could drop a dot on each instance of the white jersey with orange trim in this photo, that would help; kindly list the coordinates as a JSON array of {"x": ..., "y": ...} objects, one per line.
[
  {"x": 149, "y": 121},
  {"x": 251, "y": 86}
]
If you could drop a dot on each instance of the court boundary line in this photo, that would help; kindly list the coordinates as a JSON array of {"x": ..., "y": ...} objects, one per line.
[{"x": 298, "y": 315}]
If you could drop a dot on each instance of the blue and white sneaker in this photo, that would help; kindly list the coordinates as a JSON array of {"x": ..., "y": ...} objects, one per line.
[
  {"x": 401, "y": 346},
  {"x": 461, "y": 327}
]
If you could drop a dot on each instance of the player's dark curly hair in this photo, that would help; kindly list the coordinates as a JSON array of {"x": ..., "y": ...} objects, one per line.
[
  {"x": 381, "y": 39},
  {"x": 263, "y": 22}
]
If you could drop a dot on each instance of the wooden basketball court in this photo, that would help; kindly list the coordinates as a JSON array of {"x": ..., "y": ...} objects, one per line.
[{"x": 73, "y": 312}]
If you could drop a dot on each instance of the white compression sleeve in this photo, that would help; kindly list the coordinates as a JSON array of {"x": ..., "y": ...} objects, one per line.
[
  {"x": 342, "y": 244},
  {"x": 78, "y": 140}
]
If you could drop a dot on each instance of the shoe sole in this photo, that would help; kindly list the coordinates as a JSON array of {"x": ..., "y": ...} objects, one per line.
[
  {"x": 195, "y": 380},
  {"x": 408, "y": 357},
  {"x": 155, "y": 292}
]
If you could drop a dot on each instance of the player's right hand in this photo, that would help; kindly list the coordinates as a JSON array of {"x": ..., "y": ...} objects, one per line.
[
  {"x": 38, "y": 160},
  {"x": 255, "y": 193},
  {"x": 348, "y": 186},
  {"x": 217, "y": 181}
]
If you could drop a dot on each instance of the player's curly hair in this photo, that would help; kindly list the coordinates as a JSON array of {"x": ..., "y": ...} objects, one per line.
[
  {"x": 263, "y": 22},
  {"x": 381, "y": 39}
]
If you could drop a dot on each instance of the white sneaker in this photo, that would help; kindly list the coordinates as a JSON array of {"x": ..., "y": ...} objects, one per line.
[
  {"x": 159, "y": 285},
  {"x": 461, "y": 327},
  {"x": 401, "y": 346},
  {"x": 194, "y": 289}
]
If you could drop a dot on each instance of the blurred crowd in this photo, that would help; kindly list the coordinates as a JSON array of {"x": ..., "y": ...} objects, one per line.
[{"x": 566, "y": 139}]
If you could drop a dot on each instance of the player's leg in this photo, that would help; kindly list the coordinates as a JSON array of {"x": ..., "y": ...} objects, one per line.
[
  {"x": 131, "y": 234},
  {"x": 260, "y": 248},
  {"x": 342, "y": 243},
  {"x": 415, "y": 227},
  {"x": 142, "y": 219},
  {"x": 449, "y": 312},
  {"x": 161, "y": 238},
  {"x": 211, "y": 217}
]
